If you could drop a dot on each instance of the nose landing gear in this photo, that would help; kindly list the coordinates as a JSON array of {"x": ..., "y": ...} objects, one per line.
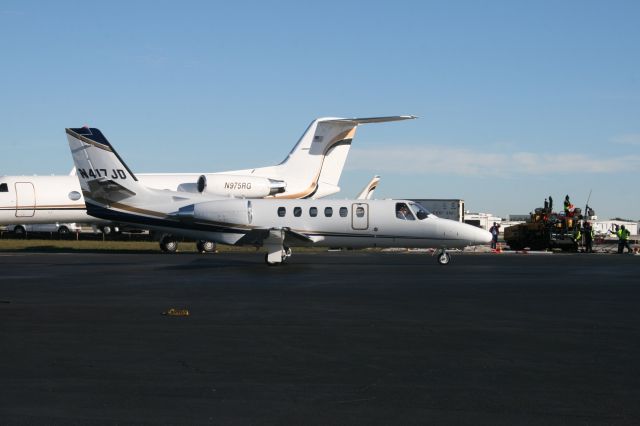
[{"x": 443, "y": 257}]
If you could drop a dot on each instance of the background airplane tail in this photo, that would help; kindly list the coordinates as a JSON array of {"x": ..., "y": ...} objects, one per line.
[
  {"x": 367, "y": 191},
  {"x": 103, "y": 176},
  {"x": 314, "y": 165}
]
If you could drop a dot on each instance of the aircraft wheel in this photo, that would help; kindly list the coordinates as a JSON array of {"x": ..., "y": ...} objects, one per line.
[
  {"x": 106, "y": 230},
  {"x": 63, "y": 231},
  {"x": 444, "y": 258},
  {"x": 205, "y": 246},
  {"x": 168, "y": 245},
  {"x": 19, "y": 231}
]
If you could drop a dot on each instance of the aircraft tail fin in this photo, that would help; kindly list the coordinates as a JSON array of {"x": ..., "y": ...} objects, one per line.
[
  {"x": 367, "y": 191},
  {"x": 103, "y": 176},
  {"x": 313, "y": 167}
]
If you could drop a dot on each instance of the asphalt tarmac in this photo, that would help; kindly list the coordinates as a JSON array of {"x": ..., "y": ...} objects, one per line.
[{"x": 330, "y": 338}]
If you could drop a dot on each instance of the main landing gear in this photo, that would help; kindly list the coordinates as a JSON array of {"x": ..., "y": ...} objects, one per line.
[
  {"x": 443, "y": 257},
  {"x": 277, "y": 257},
  {"x": 277, "y": 252},
  {"x": 169, "y": 244},
  {"x": 205, "y": 246}
]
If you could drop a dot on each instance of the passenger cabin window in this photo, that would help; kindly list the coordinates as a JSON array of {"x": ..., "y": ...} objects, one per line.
[
  {"x": 328, "y": 211},
  {"x": 343, "y": 212},
  {"x": 297, "y": 211},
  {"x": 313, "y": 211},
  {"x": 282, "y": 211},
  {"x": 403, "y": 212},
  {"x": 360, "y": 211},
  {"x": 4, "y": 187}
]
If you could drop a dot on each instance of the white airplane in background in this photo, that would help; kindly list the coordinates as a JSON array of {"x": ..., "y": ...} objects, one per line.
[
  {"x": 311, "y": 170},
  {"x": 115, "y": 194}
]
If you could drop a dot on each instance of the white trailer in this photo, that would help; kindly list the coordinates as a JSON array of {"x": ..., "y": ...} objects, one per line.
[
  {"x": 482, "y": 220},
  {"x": 603, "y": 227}
]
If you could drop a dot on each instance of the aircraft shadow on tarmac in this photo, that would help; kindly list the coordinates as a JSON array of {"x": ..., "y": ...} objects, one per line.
[{"x": 303, "y": 261}]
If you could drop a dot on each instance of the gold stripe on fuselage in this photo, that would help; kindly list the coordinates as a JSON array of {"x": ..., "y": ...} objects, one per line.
[
  {"x": 132, "y": 209},
  {"x": 44, "y": 207}
]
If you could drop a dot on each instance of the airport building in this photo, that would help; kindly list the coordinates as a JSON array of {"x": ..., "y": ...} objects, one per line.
[{"x": 482, "y": 220}]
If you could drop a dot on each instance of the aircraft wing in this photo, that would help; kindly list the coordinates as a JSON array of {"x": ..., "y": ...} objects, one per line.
[
  {"x": 297, "y": 236},
  {"x": 259, "y": 235}
]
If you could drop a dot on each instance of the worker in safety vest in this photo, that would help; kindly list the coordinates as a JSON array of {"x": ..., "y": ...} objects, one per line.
[
  {"x": 588, "y": 237},
  {"x": 577, "y": 236},
  {"x": 568, "y": 207},
  {"x": 623, "y": 239}
]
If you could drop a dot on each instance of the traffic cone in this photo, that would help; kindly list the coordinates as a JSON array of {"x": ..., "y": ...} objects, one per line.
[{"x": 499, "y": 248}]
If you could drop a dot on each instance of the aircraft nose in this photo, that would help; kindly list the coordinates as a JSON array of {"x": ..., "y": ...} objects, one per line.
[
  {"x": 476, "y": 236},
  {"x": 482, "y": 236}
]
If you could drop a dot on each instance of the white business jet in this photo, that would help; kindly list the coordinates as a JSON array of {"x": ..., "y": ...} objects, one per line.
[
  {"x": 112, "y": 192},
  {"x": 311, "y": 170}
]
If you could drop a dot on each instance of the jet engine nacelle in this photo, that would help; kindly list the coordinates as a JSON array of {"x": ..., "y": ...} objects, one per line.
[
  {"x": 233, "y": 211},
  {"x": 239, "y": 186}
]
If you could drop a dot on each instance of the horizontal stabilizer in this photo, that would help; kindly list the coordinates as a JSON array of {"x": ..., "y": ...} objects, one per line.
[{"x": 356, "y": 121}]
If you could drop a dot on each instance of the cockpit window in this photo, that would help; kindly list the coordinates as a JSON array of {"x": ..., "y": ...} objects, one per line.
[
  {"x": 420, "y": 211},
  {"x": 403, "y": 212},
  {"x": 4, "y": 187}
]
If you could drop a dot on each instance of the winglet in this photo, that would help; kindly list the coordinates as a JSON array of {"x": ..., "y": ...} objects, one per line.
[{"x": 367, "y": 191}]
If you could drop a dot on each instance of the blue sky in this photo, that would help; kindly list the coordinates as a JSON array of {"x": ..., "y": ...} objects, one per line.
[{"x": 517, "y": 100}]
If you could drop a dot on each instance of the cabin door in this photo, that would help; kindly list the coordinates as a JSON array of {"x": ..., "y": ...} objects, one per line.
[
  {"x": 25, "y": 199},
  {"x": 360, "y": 216}
]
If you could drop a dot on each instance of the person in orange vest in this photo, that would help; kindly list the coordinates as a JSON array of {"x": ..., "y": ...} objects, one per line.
[{"x": 568, "y": 207}]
